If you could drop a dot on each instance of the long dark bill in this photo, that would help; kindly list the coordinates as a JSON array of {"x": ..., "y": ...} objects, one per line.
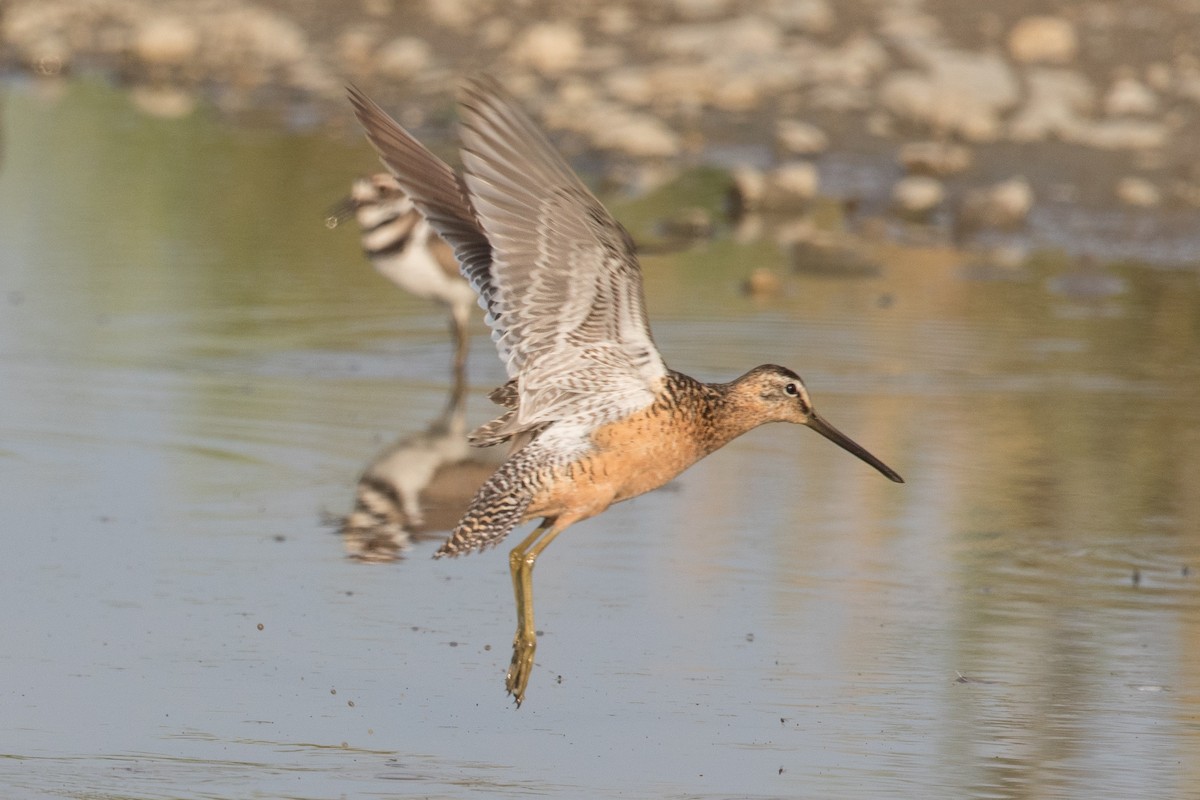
[{"x": 821, "y": 426}]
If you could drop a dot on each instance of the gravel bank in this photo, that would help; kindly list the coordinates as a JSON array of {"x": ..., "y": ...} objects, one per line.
[{"x": 1092, "y": 104}]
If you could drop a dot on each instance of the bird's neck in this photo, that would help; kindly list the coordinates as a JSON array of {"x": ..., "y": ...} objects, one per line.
[{"x": 714, "y": 410}]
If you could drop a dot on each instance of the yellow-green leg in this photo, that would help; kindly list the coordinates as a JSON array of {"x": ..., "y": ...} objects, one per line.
[{"x": 520, "y": 564}]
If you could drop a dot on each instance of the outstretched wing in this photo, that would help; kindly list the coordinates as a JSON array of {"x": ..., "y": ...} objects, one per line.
[
  {"x": 555, "y": 272},
  {"x": 566, "y": 286},
  {"x": 436, "y": 190}
]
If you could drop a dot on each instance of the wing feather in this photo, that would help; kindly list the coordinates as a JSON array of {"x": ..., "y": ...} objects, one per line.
[
  {"x": 435, "y": 189},
  {"x": 555, "y": 272},
  {"x": 564, "y": 273}
]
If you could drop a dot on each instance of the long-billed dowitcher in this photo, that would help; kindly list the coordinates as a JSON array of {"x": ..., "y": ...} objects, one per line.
[
  {"x": 594, "y": 415},
  {"x": 405, "y": 250}
]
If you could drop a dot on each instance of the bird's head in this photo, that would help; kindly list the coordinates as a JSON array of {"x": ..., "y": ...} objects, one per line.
[{"x": 772, "y": 393}]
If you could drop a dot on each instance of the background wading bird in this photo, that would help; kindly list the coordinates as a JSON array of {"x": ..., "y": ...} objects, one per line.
[
  {"x": 594, "y": 415},
  {"x": 405, "y": 250}
]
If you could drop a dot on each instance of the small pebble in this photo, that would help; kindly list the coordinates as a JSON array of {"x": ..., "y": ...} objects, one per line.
[
  {"x": 1043, "y": 40},
  {"x": 800, "y": 138},
  {"x": 762, "y": 283},
  {"x": 934, "y": 158},
  {"x": 917, "y": 196},
  {"x": 1138, "y": 192}
]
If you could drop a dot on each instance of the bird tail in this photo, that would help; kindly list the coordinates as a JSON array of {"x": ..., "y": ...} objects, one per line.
[{"x": 498, "y": 507}]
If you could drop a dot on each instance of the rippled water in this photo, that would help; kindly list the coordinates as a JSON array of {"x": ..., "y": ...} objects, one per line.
[{"x": 193, "y": 372}]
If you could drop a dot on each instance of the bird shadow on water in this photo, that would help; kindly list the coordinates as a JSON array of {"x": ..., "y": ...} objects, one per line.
[{"x": 418, "y": 487}]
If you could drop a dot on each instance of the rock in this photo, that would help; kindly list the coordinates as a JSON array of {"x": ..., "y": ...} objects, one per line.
[
  {"x": 551, "y": 48},
  {"x": 909, "y": 29},
  {"x": 917, "y": 196},
  {"x": 679, "y": 88},
  {"x": 48, "y": 56},
  {"x": 855, "y": 63},
  {"x": 1043, "y": 40},
  {"x": 163, "y": 102},
  {"x": 166, "y": 41},
  {"x": 355, "y": 48},
  {"x": 630, "y": 85},
  {"x": 38, "y": 33},
  {"x": 615, "y": 21},
  {"x": 747, "y": 39},
  {"x": 1003, "y": 206},
  {"x": 960, "y": 93},
  {"x": 574, "y": 94},
  {"x": 917, "y": 98},
  {"x": 842, "y": 76},
  {"x": 458, "y": 15},
  {"x": 251, "y": 43},
  {"x": 794, "y": 182},
  {"x": 788, "y": 187},
  {"x": 749, "y": 187},
  {"x": 1058, "y": 100},
  {"x": 1130, "y": 97},
  {"x": 762, "y": 282},
  {"x": 226, "y": 44},
  {"x": 1138, "y": 192},
  {"x": 637, "y": 135},
  {"x": 403, "y": 58},
  {"x": 736, "y": 93},
  {"x": 311, "y": 76},
  {"x": 800, "y": 138},
  {"x": 936, "y": 159},
  {"x": 1124, "y": 134}
]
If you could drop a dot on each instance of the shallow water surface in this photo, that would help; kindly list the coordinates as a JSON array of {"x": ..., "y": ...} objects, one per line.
[{"x": 194, "y": 371}]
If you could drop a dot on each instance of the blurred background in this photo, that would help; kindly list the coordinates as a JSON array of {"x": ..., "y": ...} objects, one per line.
[{"x": 228, "y": 446}]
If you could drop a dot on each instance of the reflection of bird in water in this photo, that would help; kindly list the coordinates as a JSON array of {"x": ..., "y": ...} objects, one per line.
[
  {"x": 403, "y": 248},
  {"x": 420, "y": 484},
  {"x": 595, "y": 416}
]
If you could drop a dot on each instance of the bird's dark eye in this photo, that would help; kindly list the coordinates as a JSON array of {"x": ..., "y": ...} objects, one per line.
[{"x": 792, "y": 389}]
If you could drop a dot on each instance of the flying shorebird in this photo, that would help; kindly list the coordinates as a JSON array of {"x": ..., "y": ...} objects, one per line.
[{"x": 594, "y": 414}]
